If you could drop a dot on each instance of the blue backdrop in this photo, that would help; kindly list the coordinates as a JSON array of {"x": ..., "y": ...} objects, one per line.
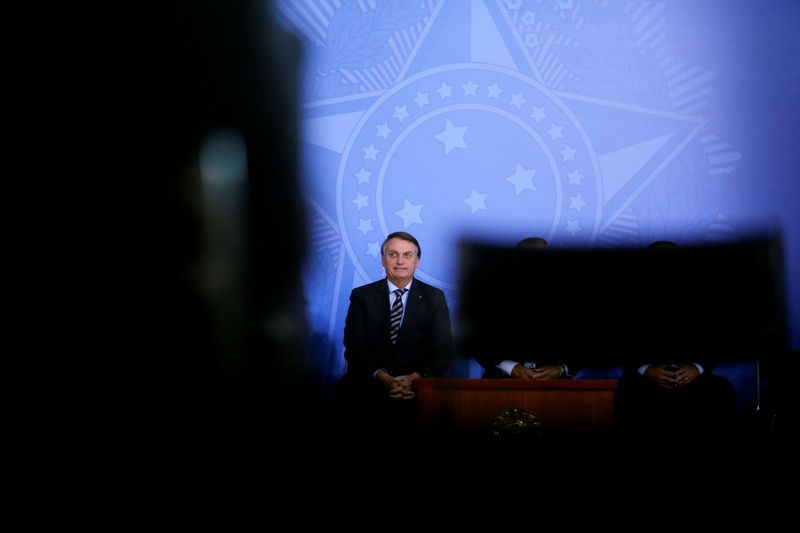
[{"x": 589, "y": 123}]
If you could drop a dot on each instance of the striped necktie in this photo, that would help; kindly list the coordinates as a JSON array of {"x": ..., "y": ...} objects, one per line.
[{"x": 396, "y": 314}]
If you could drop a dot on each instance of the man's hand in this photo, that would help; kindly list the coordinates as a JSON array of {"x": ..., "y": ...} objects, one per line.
[
  {"x": 672, "y": 380},
  {"x": 543, "y": 372},
  {"x": 547, "y": 372},
  {"x": 686, "y": 375},
  {"x": 400, "y": 387},
  {"x": 661, "y": 377}
]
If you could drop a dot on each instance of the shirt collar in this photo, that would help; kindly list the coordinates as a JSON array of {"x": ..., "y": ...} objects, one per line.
[{"x": 393, "y": 287}]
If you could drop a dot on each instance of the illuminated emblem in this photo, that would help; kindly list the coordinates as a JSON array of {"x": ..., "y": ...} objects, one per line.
[{"x": 496, "y": 119}]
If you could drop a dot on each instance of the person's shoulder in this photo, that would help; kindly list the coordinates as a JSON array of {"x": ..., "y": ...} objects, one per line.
[
  {"x": 370, "y": 287},
  {"x": 427, "y": 288}
]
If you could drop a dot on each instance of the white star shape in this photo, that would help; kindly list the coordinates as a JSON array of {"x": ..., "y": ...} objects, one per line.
[
  {"x": 361, "y": 201},
  {"x": 572, "y": 227},
  {"x": 445, "y": 91},
  {"x": 452, "y": 137},
  {"x": 517, "y": 100},
  {"x": 383, "y": 130},
  {"x": 576, "y": 202},
  {"x": 370, "y": 152},
  {"x": 421, "y": 99},
  {"x": 363, "y": 175},
  {"x": 555, "y": 132},
  {"x": 476, "y": 201},
  {"x": 522, "y": 179},
  {"x": 410, "y": 213},
  {"x": 374, "y": 249},
  {"x": 364, "y": 225},
  {"x": 400, "y": 113},
  {"x": 529, "y": 18},
  {"x": 494, "y": 91},
  {"x": 567, "y": 154},
  {"x": 575, "y": 177},
  {"x": 469, "y": 88},
  {"x": 538, "y": 114}
]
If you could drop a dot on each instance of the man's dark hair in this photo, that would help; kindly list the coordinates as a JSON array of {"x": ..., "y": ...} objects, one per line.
[
  {"x": 406, "y": 237},
  {"x": 532, "y": 243},
  {"x": 661, "y": 244}
]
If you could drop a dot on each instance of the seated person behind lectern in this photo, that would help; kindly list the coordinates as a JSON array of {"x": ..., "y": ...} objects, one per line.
[
  {"x": 542, "y": 368},
  {"x": 679, "y": 394}
]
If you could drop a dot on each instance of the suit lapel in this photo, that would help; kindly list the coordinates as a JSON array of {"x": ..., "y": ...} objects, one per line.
[
  {"x": 382, "y": 298},
  {"x": 412, "y": 304}
]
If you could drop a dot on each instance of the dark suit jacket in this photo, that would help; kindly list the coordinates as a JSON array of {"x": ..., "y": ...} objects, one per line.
[
  {"x": 706, "y": 404},
  {"x": 424, "y": 342}
]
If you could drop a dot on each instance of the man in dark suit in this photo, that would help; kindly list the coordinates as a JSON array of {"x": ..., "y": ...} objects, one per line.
[
  {"x": 673, "y": 393},
  {"x": 397, "y": 330},
  {"x": 684, "y": 397},
  {"x": 543, "y": 367}
]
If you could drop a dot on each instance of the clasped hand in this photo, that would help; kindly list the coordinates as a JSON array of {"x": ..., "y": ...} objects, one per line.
[
  {"x": 672, "y": 380},
  {"x": 542, "y": 372},
  {"x": 400, "y": 387}
]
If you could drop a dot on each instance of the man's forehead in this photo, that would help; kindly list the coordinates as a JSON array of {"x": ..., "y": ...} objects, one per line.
[{"x": 400, "y": 244}]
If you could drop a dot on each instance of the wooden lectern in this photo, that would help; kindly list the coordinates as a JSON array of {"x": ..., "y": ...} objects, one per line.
[{"x": 473, "y": 404}]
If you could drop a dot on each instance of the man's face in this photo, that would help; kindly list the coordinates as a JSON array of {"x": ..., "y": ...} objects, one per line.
[{"x": 400, "y": 261}]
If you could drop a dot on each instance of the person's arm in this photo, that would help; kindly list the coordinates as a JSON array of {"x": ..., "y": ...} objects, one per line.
[
  {"x": 356, "y": 352},
  {"x": 507, "y": 366},
  {"x": 569, "y": 369}
]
